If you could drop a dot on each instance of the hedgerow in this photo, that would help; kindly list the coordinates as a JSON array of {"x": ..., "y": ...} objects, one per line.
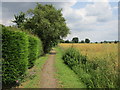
[
  {"x": 72, "y": 57},
  {"x": 35, "y": 49},
  {"x": 93, "y": 73},
  {"x": 14, "y": 55}
]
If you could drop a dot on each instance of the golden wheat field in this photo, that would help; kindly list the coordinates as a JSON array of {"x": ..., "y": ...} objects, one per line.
[{"x": 108, "y": 52}]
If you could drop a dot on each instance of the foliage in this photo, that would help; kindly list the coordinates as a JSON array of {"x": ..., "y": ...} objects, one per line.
[
  {"x": 19, "y": 19},
  {"x": 115, "y": 41},
  {"x": 33, "y": 75},
  {"x": 75, "y": 40},
  {"x": 82, "y": 41},
  {"x": 95, "y": 74},
  {"x": 64, "y": 74},
  {"x": 87, "y": 40},
  {"x": 110, "y": 42},
  {"x": 72, "y": 57},
  {"x": 35, "y": 48},
  {"x": 61, "y": 41},
  {"x": 14, "y": 54},
  {"x": 105, "y": 42},
  {"x": 101, "y": 68},
  {"x": 67, "y": 41},
  {"x": 48, "y": 23}
]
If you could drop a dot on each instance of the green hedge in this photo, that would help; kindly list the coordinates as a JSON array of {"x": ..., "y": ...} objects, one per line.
[
  {"x": 14, "y": 53},
  {"x": 40, "y": 47},
  {"x": 19, "y": 52},
  {"x": 35, "y": 49},
  {"x": 72, "y": 57}
]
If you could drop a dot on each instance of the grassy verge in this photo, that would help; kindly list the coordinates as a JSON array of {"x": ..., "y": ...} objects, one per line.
[
  {"x": 66, "y": 77},
  {"x": 95, "y": 73},
  {"x": 32, "y": 79}
]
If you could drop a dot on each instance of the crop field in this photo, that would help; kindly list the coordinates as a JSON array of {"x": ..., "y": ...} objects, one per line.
[
  {"x": 104, "y": 56},
  {"x": 104, "y": 51},
  {"x": 108, "y": 52},
  {"x": 35, "y": 54}
]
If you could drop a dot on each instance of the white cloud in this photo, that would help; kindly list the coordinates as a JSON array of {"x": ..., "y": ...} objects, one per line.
[
  {"x": 94, "y": 21},
  {"x": 7, "y": 22},
  {"x": 1, "y": 21},
  {"x": 102, "y": 10},
  {"x": 108, "y": 31},
  {"x": 116, "y": 8},
  {"x": 95, "y": 35},
  {"x": 59, "y": 0}
]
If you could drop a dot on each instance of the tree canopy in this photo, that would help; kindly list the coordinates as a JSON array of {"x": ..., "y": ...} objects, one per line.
[
  {"x": 75, "y": 40},
  {"x": 19, "y": 19},
  {"x": 48, "y": 23},
  {"x": 82, "y": 41},
  {"x": 87, "y": 40}
]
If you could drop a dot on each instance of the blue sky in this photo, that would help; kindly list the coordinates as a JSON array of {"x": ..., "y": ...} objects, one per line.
[{"x": 97, "y": 21}]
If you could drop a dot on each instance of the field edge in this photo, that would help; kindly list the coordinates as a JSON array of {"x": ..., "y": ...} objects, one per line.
[{"x": 66, "y": 77}]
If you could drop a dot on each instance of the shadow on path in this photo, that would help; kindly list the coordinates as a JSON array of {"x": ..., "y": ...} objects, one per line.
[{"x": 52, "y": 53}]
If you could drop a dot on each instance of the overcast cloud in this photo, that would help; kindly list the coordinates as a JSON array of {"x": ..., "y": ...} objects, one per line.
[{"x": 97, "y": 20}]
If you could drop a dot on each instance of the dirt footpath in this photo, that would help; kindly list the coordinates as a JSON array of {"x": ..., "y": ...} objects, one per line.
[{"x": 48, "y": 72}]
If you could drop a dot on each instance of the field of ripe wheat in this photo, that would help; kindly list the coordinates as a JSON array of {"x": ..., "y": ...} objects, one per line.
[
  {"x": 108, "y": 51},
  {"x": 102, "y": 64}
]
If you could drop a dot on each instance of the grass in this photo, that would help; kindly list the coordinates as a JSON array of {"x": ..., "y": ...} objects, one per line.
[
  {"x": 101, "y": 69},
  {"x": 32, "y": 79},
  {"x": 66, "y": 77},
  {"x": 95, "y": 50},
  {"x": 107, "y": 52}
]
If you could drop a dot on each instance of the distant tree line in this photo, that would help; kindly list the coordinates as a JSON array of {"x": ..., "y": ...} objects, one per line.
[
  {"x": 109, "y": 42},
  {"x": 76, "y": 40}
]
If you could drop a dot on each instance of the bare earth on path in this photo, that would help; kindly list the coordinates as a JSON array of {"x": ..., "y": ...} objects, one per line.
[{"x": 48, "y": 72}]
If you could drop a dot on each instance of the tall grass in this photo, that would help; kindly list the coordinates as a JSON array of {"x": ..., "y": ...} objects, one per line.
[
  {"x": 101, "y": 69},
  {"x": 66, "y": 77}
]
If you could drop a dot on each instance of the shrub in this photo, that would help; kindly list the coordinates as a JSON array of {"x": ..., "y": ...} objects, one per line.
[
  {"x": 40, "y": 48},
  {"x": 35, "y": 49},
  {"x": 95, "y": 74},
  {"x": 72, "y": 57},
  {"x": 14, "y": 54}
]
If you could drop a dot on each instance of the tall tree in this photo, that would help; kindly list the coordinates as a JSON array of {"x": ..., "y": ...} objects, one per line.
[
  {"x": 67, "y": 41},
  {"x": 75, "y": 40},
  {"x": 82, "y": 41},
  {"x": 48, "y": 23},
  {"x": 19, "y": 19},
  {"x": 87, "y": 40}
]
